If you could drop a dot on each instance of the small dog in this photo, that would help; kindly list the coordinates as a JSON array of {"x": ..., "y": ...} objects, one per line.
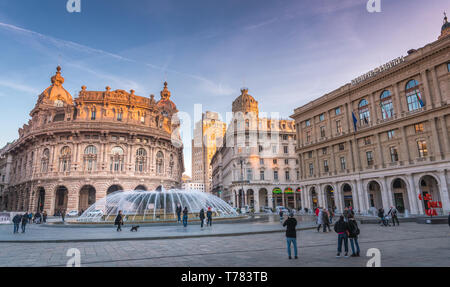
[{"x": 134, "y": 228}]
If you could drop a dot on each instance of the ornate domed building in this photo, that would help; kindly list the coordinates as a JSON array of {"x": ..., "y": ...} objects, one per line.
[{"x": 74, "y": 152}]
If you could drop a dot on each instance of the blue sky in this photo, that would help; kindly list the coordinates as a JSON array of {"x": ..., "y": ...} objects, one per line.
[{"x": 287, "y": 52}]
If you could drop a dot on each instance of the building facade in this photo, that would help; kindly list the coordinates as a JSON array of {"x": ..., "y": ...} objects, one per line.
[
  {"x": 208, "y": 134},
  {"x": 257, "y": 165},
  {"x": 382, "y": 140},
  {"x": 75, "y": 152}
]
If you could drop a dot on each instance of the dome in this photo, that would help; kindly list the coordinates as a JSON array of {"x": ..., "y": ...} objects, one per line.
[
  {"x": 165, "y": 103},
  {"x": 56, "y": 94},
  {"x": 446, "y": 24}
]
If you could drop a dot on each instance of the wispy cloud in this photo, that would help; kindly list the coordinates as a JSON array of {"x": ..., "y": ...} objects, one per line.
[
  {"x": 11, "y": 84},
  {"x": 213, "y": 87},
  {"x": 261, "y": 24}
]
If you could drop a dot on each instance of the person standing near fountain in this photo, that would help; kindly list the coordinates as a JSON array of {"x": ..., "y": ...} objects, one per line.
[
  {"x": 179, "y": 212},
  {"x": 185, "y": 217},
  {"x": 119, "y": 221},
  {"x": 209, "y": 217},
  {"x": 202, "y": 217}
]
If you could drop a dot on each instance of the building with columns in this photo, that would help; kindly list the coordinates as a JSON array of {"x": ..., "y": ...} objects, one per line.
[
  {"x": 383, "y": 139},
  {"x": 257, "y": 165},
  {"x": 74, "y": 152}
]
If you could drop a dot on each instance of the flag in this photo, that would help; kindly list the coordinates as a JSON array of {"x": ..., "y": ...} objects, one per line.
[
  {"x": 419, "y": 97},
  {"x": 355, "y": 121}
]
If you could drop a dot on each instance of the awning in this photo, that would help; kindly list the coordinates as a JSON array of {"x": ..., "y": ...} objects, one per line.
[
  {"x": 288, "y": 190},
  {"x": 277, "y": 190}
]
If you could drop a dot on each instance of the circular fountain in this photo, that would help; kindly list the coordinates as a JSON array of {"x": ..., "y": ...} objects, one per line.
[{"x": 154, "y": 206}]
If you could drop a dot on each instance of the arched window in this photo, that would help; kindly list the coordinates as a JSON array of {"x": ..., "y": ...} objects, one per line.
[
  {"x": 413, "y": 96},
  {"x": 90, "y": 158},
  {"x": 364, "y": 113},
  {"x": 141, "y": 159},
  {"x": 387, "y": 108},
  {"x": 44, "y": 160},
  {"x": 159, "y": 163},
  {"x": 117, "y": 159},
  {"x": 64, "y": 159}
]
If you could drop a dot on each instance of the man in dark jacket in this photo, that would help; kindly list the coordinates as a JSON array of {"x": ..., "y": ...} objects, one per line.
[
  {"x": 353, "y": 232},
  {"x": 179, "y": 209},
  {"x": 291, "y": 234},
  {"x": 16, "y": 220},
  {"x": 393, "y": 214},
  {"x": 25, "y": 220},
  {"x": 119, "y": 221},
  {"x": 209, "y": 217},
  {"x": 341, "y": 228},
  {"x": 202, "y": 217}
]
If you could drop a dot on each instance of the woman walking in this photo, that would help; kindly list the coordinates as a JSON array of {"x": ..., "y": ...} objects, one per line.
[
  {"x": 353, "y": 232},
  {"x": 202, "y": 217},
  {"x": 119, "y": 221},
  {"x": 209, "y": 217},
  {"x": 185, "y": 217}
]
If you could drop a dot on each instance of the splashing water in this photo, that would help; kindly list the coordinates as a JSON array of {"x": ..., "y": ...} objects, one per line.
[{"x": 148, "y": 206}]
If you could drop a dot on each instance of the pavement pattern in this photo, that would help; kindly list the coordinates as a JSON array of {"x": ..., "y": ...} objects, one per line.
[{"x": 410, "y": 244}]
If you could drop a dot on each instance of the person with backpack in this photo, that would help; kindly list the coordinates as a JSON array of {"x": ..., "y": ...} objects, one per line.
[
  {"x": 25, "y": 220},
  {"x": 393, "y": 213},
  {"x": 353, "y": 232},
  {"x": 291, "y": 234},
  {"x": 16, "y": 220},
  {"x": 326, "y": 220},
  {"x": 209, "y": 217},
  {"x": 179, "y": 209},
  {"x": 341, "y": 228},
  {"x": 185, "y": 216}
]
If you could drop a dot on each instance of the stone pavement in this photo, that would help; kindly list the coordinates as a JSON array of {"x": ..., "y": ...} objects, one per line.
[{"x": 411, "y": 244}]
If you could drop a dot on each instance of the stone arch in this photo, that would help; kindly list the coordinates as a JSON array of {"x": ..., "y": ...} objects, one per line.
[
  {"x": 263, "y": 197},
  {"x": 375, "y": 194},
  {"x": 400, "y": 189},
  {"x": 347, "y": 194},
  {"x": 277, "y": 196},
  {"x": 330, "y": 199},
  {"x": 250, "y": 197},
  {"x": 429, "y": 184},
  {"x": 113, "y": 188},
  {"x": 87, "y": 197},
  {"x": 61, "y": 199},
  {"x": 314, "y": 195},
  {"x": 140, "y": 188},
  {"x": 40, "y": 199}
]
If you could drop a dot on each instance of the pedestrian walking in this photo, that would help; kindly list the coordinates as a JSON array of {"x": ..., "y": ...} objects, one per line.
[
  {"x": 63, "y": 214},
  {"x": 330, "y": 214},
  {"x": 179, "y": 209},
  {"x": 341, "y": 228},
  {"x": 319, "y": 219},
  {"x": 291, "y": 235},
  {"x": 281, "y": 215},
  {"x": 30, "y": 217},
  {"x": 353, "y": 233},
  {"x": 25, "y": 220},
  {"x": 202, "y": 217},
  {"x": 326, "y": 220},
  {"x": 345, "y": 213},
  {"x": 119, "y": 221},
  {"x": 185, "y": 216},
  {"x": 16, "y": 221},
  {"x": 209, "y": 217},
  {"x": 44, "y": 216},
  {"x": 393, "y": 214}
]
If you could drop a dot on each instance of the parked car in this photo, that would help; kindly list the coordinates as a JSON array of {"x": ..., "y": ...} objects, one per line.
[
  {"x": 72, "y": 213},
  {"x": 97, "y": 212},
  {"x": 266, "y": 209}
]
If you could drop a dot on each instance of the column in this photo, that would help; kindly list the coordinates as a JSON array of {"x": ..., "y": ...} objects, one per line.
[
  {"x": 373, "y": 110},
  {"x": 437, "y": 90},
  {"x": 333, "y": 160},
  {"x": 363, "y": 199},
  {"x": 283, "y": 199},
  {"x": 355, "y": 195},
  {"x": 444, "y": 130},
  {"x": 380, "y": 151},
  {"x": 270, "y": 198},
  {"x": 413, "y": 194},
  {"x": 405, "y": 150},
  {"x": 233, "y": 198},
  {"x": 339, "y": 198},
  {"x": 435, "y": 136},
  {"x": 386, "y": 194},
  {"x": 428, "y": 98},
  {"x": 330, "y": 126},
  {"x": 256, "y": 200},
  {"x": 399, "y": 108},
  {"x": 348, "y": 112},
  {"x": 443, "y": 192},
  {"x": 320, "y": 196}
]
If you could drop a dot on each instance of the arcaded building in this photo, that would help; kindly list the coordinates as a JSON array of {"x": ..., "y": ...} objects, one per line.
[
  {"x": 74, "y": 152},
  {"x": 257, "y": 164},
  {"x": 383, "y": 139}
]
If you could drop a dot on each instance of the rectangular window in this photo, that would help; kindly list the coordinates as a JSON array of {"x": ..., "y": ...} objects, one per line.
[
  {"x": 308, "y": 123},
  {"x": 119, "y": 116},
  {"x": 286, "y": 162},
  {"x": 369, "y": 157},
  {"x": 341, "y": 146},
  {"x": 93, "y": 115},
  {"x": 249, "y": 174},
  {"x": 286, "y": 149},
  {"x": 274, "y": 149},
  {"x": 275, "y": 175},
  {"x": 325, "y": 166},
  {"x": 367, "y": 141},
  {"x": 308, "y": 136},
  {"x": 324, "y": 151},
  {"x": 287, "y": 175},
  {"x": 338, "y": 127},
  {"x": 391, "y": 134},
  {"x": 448, "y": 66},
  {"x": 310, "y": 154},
  {"x": 394, "y": 154},
  {"x": 419, "y": 128},
  {"x": 298, "y": 175},
  {"x": 311, "y": 169},
  {"x": 322, "y": 132},
  {"x": 261, "y": 174},
  {"x": 275, "y": 161},
  {"x": 343, "y": 164},
  {"x": 322, "y": 117},
  {"x": 337, "y": 111},
  {"x": 261, "y": 161},
  {"x": 422, "y": 147}
]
